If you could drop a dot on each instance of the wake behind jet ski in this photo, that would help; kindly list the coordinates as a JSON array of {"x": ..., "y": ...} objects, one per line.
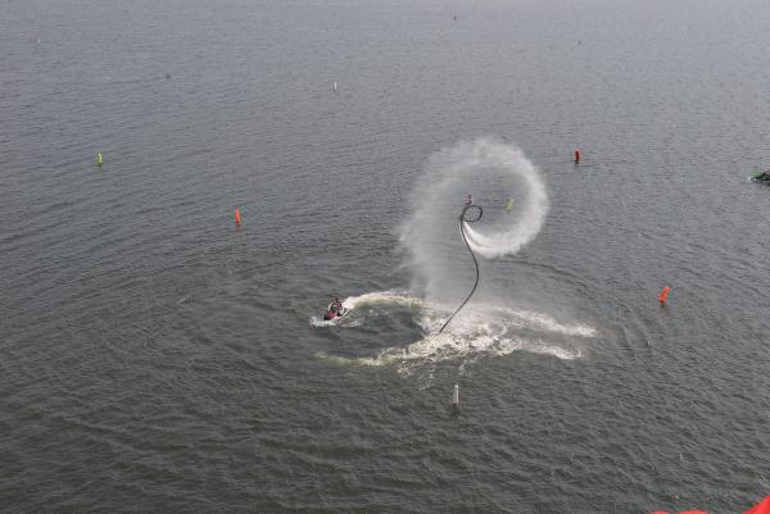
[{"x": 335, "y": 310}]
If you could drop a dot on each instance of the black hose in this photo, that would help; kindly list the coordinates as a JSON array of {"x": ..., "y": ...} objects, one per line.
[{"x": 463, "y": 218}]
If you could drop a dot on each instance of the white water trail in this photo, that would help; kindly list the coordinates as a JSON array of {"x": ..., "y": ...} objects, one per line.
[
  {"x": 493, "y": 172},
  {"x": 484, "y": 330}
]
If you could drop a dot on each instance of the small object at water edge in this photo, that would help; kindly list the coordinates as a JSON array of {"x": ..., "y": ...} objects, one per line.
[
  {"x": 664, "y": 295},
  {"x": 456, "y": 398}
]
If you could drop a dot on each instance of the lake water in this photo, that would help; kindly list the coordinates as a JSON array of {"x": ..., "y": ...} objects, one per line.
[{"x": 158, "y": 358}]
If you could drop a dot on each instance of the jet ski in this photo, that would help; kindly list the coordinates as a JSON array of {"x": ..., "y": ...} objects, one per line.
[
  {"x": 762, "y": 177},
  {"x": 335, "y": 310}
]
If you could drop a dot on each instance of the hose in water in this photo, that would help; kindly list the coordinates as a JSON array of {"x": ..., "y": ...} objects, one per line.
[{"x": 466, "y": 219}]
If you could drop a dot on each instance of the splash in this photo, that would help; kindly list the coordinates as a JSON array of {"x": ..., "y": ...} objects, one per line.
[
  {"x": 378, "y": 298},
  {"x": 485, "y": 330},
  {"x": 495, "y": 173},
  {"x": 399, "y": 298}
]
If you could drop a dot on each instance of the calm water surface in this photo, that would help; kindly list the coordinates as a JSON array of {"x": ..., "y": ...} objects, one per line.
[{"x": 157, "y": 358}]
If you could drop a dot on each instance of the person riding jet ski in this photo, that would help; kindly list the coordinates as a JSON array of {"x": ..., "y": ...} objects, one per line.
[{"x": 335, "y": 310}]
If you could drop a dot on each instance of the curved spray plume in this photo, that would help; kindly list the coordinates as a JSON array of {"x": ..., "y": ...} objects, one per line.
[
  {"x": 462, "y": 220},
  {"x": 514, "y": 196}
]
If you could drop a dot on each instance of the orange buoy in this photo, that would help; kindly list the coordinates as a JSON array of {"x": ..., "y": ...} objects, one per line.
[
  {"x": 664, "y": 295},
  {"x": 237, "y": 216},
  {"x": 577, "y": 155}
]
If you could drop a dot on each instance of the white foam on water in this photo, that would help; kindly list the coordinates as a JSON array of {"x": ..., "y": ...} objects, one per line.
[
  {"x": 484, "y": 330},
  {"x": 399, "y": 298},
  {"x": 393, "y": 298}
]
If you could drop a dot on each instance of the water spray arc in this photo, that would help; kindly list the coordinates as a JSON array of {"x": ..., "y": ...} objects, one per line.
[{"x": 462, "y": 220}]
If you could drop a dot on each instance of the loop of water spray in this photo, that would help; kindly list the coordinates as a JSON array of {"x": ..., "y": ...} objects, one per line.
[{"x": 464, "y": 219}]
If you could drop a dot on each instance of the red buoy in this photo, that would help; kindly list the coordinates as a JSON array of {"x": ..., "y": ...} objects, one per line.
[
  {"x": 237, "y": 216},
  {"x": 577, "y": 155},
  {"x": 664, "y": 295}
]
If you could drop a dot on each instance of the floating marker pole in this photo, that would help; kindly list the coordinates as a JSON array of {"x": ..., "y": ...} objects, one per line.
[
  {"x": 664, "y": 295},
  {"x": 237, "y": 217},
  {"x": 99, "y": 160},
  {"x": 577, "y": 155},
  {"x": 335, "y": 86},
  {"x": 456, "y": 398}
]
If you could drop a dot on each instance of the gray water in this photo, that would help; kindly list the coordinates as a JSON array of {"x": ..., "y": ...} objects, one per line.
[{"x": 157, "y": 358}]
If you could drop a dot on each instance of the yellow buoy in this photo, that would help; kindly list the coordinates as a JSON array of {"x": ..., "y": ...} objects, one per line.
[
  {"x": 99, "y": 160},
  {"x": 509, "y": 205}
]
